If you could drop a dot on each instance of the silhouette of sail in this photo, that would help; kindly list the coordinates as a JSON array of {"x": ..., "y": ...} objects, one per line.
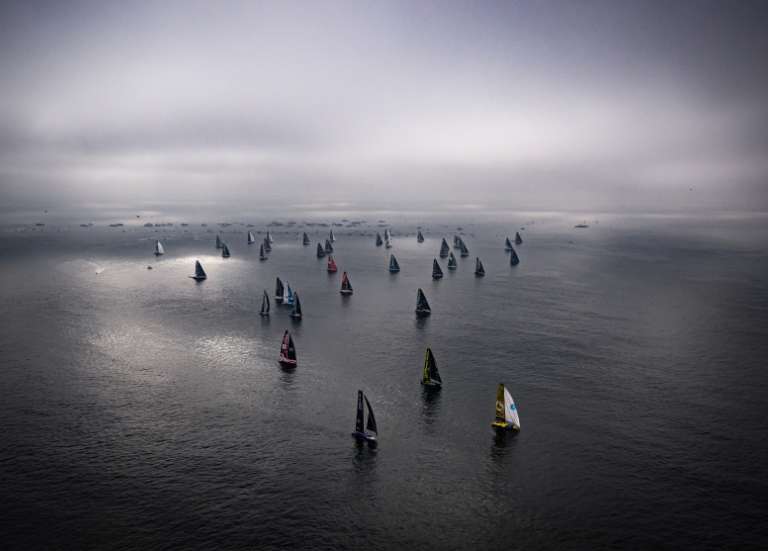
[
  {"x": 331, "y": 237},
  {"x": 463, "y": 248},
  {"x": 513, "y": 258},
  {"x": 200, "y": 274},
  {"x": 332, "y": 268},
  {"x": 506, "y": 417},
  {"x": 288, "y": 295},
  {"x": 262, "y": 254},
  {"x": 452, "y": 264},
  {"x": 430, "y": 375},
  {"x": 219, "y": 242},
  {"x": 264, "y": 304},
  {"x": 225, "y": 251},
  {"x": 279, "y": 290},
  {"x": 328, "y": 247},
  {"x": 444, "y": 249},
  {"x": 507, "y": 245},
  {"x": 296, "y": 313},
  {"x": 320, "y": 251},
  {"x": 251, "y": 238},
  {"x": 371, "y": 424},
  {"x": 267, "y": 245},
  {"x": 360, "y": 416},
  {"x": 379, "y": 242},
  {"x": 437, "y": 272},
  {"x": 305, "y": 239},
  {"x": 394, "y": 267},
  {"x": 518, "y": 239},
  {"x": 270, "y": 239},
  {"x": 456, "y": 241},
  {"x": 479, "y": 270},
  {"x": 422, "y": 306},
  {"x": 346, "y": 285},
  {"x": 419, "y": 237}
]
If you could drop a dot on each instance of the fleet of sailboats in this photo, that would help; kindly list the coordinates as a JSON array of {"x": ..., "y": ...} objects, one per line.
[
  {"x": 506, "y": 411},
  {"x": 365, "y": 432},
  {"x": 346, "y": 285},
  {"x": 287, "y": 356}
]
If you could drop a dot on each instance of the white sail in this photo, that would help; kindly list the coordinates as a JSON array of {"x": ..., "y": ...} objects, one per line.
[
  {"x": 251, "y": 238},
  {"x": 159, "y": 248},
  {"x": 510, "y": 410}
]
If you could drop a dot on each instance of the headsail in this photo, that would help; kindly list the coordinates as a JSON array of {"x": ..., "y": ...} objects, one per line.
[
  {"x": 159, "y": 250},
  {"x": 288, "y": 295},
  {"x": 437, "y": 272},
  {"x": 279, "y": 290},
  {"x": 251, "y": 238},
  {"x": 422, "y": 306},
  {"x": 444, "y": 249},
  {"x": 320, "y": 251},
  {"x": 452, "y": 264},
  {"x": 479, "y": 270},
  {"x": 430, "y": 375},
  {"x": 394, "y": 267},
  {"x": 346, "y": 285},
  {"x": 371, "y": 424}
]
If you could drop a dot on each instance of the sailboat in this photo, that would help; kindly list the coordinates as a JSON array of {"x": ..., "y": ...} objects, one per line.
[
  {"x": 364, "y": 432},
  {"x": 219, "y": 242},
  {"x": 269, "y": 237},
  {"x": 262, "y": 254},
  {"x": 225, "y": 251},
  {"x": 305, "y": 239},
  {"x": 346, "y": 286},
  {"x": 419, "y": 237},
  {"x": 479, "y": 270},
  {"x": 379, "y": 242},
  {"x": 394, "y": 267},
  {"x": 332, "y": 269},
  {"x": 159, "y": 250},
  {"x": 320, "y": 251},
  {"x": 387, "y": 243},
  {"x": 456, "y": 241},
  {"x": 506, "y": 411},
  {"x": 251, "y": 238},
  {"x": 430, "y": 377},
  {"x": 444, "y": 249},
  {"x": 200, "y": 274},
  {"x": 287, "y": 351},
  {"x": 507, "y": 245},
  {"x": 518, "y": 239},
  {"x": 514, "y": 260},
  {"x": 437, "y": 272},
  {"x": 422, "y": 306},
  {"x": 331, "y": 237},
  {"x": 267, "y": 245},
  {"x": 264, "y": 305},
  {"x": 452, "y": 264},
  {"x": 387, "y": 234},
  {"x": 288, "y": 295},
  {"x": 328, "y": 247},
  {"x": 296, "y": 313},
  {"x": 279, "y": 290},
  {"x": 463, "y": 248}
]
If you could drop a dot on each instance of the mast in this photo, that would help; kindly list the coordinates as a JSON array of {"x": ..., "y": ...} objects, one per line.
[{"x": 437, "y": 272}]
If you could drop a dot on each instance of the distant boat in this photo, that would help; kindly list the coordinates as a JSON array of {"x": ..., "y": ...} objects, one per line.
[
  {"x": 251, "y": 238},
  {"x": 267, "y": 245},
  {"x": 506, "y": 411},
  {"x": 437, "y": 272},
  {"x": 296, "y": 313},
  {"x": 379, "y": 242},
  {"x": 364, "y": 432},
  {"x": 463, "y": 249},
  {"x": 456, "y": 241},
  {"x": 387, "y": 243},
  {"x": 430, "y": 376},
  {"x": 419, "y": 237},
  {"x": 269, "y": 237},
  {"x": 320, "y": 251},
  {"x": 507, "y": 245},
  {"x": 346, "y": 286},
  {"x": 479, "y": 270},
  {"x": 288, "y": 295},
  {"x": 332, "y": 265},
  {"x": 331, "y": 237},
  {"x": 219, "y": 242},
  {"x": 514, "y": 260},
  {"x": 279, "y": 290},
  {"x": 387, "y": 234},
  {"x": 452, "y": 264},
  {"x": 305, "y": 239},
  {"x": 422, "y": 306},
  {"x": 287, "y": 351},
  {"x": 518, "y": 239},
  {"x": 225, "y": 251},
  {"x": 264, "y": 304},
  {"x": 583, "y": 225},
  {"x": 200, "y": 274},
  {"x": 444, "y": 249},
  {"x": 394, "y": 267},
  {"x": 262, "y": 254},
  {"x": 328, "y": 246},
  {"x": 159, "y": 250}
]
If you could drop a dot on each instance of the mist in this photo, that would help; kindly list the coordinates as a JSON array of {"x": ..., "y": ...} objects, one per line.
[{"x": 597, "y": 105}]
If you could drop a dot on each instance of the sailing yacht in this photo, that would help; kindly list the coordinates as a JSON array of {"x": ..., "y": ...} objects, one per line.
[
  {"x": 444, "y": 249},
  {"x": 251, "y": 238},
  {"x": 507, "y": 245},
  {"x": 328, "y": 247},
  {"x": 219, "y": 242},
  {"x": 430, "y": 377},
  {"x": 379, "y": 242},
  {"x": 394, "y": 267},
  {"x": 506, "y": 411},
  {"x": 332, "y": 269},
  {"x": 200, "y": 274},
  {"x": 437, "y": 272},
  {"x": 364, "y": 432},
  {"x": 346, "y": 286},
  {"x": 514, "y": 260},
  {"x": 267, "y": 245},
  {"x": 419, "y": 237},
  {"x": 387, "y": 242},
  {"x": 269, "y": 237},
  {"x": 320, "y": 251},
  {"x": 159, "y": 250},
  {"x": 296, "y": 313},
  {"x": 288, "y": 295},
  {"x": 262, "y": 254},
  {"x": 518, "y": 239},
  {"x": 305, "y": 239},
  {"x": 452, "y": 264},
  {"x": 422, "y": 306},
  {"x": 225, "y": 251},
  {"x": 279, "y": 290},
  {"x": 479, "y": 270},
  {"x": 264, "y": 304},
  {"x": 331, "y": 237},
  {"x": 456, "y": 241},
  {"x": 463, "y": 249},
  {"x": 287, "y": 351}
]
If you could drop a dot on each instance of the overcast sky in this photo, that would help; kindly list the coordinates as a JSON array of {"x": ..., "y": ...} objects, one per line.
[{"x": 521, "y": 104}]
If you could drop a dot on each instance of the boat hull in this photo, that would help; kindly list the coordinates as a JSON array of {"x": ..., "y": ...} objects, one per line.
[
  {"x": 431, "y": 385},
  {"x": 286, "y": 362},
  {"x": 364, "y": 437},
  {"x": 198, "y": 278},
  {"x": 502, "y": 426},
  {"x": 345, "y": 292},
  {"x": 423, "y": 313},
  {"x": 480, "y": 274}
]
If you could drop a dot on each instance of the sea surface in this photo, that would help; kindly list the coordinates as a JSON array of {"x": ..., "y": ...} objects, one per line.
[{"x": 142, "y": 410}]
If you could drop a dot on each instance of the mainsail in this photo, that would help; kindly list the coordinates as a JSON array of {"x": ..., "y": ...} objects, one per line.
[
  {"x": 265, "y": 304},
  {"x": 159, "y": 248},
  {"x": 452, "y": 264},
  {"x": 346, "y": 286},
  {"x": 296, "y": 313},
  {"x": 199, "y": 272},
  {"x": 506, "y": 411},
  {"x": 332, "y": 268},
  {"x": 225, "y": 251},
  {"x": 305, "y": 239},
  {"x": 513, "y": 258},
  {"x": 364, "y": 431},
  {"x": 379, "y": 242},
  {"x": 444, "y": 249},
  {"x": 251, "y": 238},
  {"x": 507, "y": 245},
  {"x": 360, "y": 416},
  {"x": 518, "y": 239},
  {"x": 279, "y": 290},
  {"x": 479, "y": 270},
  {"x": 267, "y": 245},
  {"x": 394, "y": 267},
  {"x": 320, "y": 251},
  {"x": 331, "y": 237},
  {"x": 262, "y": 254},
  {"x": 430, "y": 375},
  {"x": 422, "y": 306},
  {"x": 437, "y": 272},
  {"x": 328, "y": 247}
]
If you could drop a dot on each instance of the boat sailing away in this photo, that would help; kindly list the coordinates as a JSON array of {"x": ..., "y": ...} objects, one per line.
[
  {"x": 419, "y": 237},
  {"x": 200, "y": 274},
  {"x": 430, "y": 377},
  {"x": 225, "y": 251},
  {"x": 452, "y": 264},
  {"x": 379, "y": 242},
  {"x": 422, "y": 306},
  {"x": 444, "y": 249},
  {"x": 332, "y": 269},
  {"x": 437, "y": 272},
  {"x": 479, "y": 270},
  {"x": 320, "y": 251},
  {"x": 331, "y": 237},
  {"x": 159, "y": 250},
  {"x": 262, "y": 254},
  {"x": 518, "y": 239},
  {"x": 287, "y": 351},
  {"x": 364, "y": 432},
  {"x": 251, "y": 238},
  {"x": 279, "y": 290},
  {"x": 507, "y": 245},
  {"x": 296, "y": 313},
  {"x": 346, "y": 286},
  {"x": 328, "y": 247},
  {"x": 305, "y": 239},
  {"x": 506, "y": 411},
  {"x": 394, "y": 267},
  {"x": 264, "y": 305},
  {"x": 219, "y": 242},
  {"x": 513, "y": 258}
]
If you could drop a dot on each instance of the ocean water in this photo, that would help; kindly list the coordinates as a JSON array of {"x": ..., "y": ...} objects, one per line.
[{"x": 142, "y": 410}]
